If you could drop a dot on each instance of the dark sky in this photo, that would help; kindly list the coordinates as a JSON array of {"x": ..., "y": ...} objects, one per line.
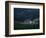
[{"x": 20, "y": 14}]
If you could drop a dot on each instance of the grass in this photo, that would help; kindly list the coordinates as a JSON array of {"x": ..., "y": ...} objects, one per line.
[{"x": 18, "y": 26}]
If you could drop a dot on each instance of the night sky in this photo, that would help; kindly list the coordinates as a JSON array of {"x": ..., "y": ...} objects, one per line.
[{"x": 20, "y": 14}]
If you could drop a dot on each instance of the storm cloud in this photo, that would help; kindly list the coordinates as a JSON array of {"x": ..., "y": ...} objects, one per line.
[{"x": 20, "y": 14}]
